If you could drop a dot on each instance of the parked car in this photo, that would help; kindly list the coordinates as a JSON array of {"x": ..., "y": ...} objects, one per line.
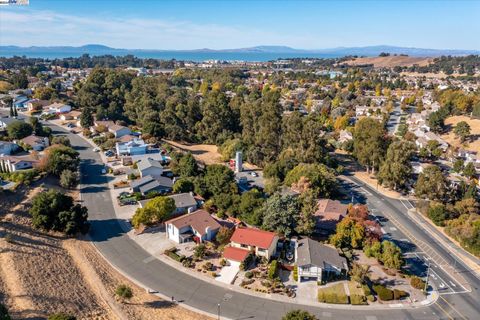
[
  {"x": 254, "y": 174},
  {"x": 109, "y": 153},
  {"x": 96, "y": 149}
]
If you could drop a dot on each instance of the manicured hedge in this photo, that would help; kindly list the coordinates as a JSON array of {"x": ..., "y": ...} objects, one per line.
[
  {"x": 273, "y": 269},
  {"x": 172, "y": 254},
  {"x": 399, "y": 294},
  {"x": 383, "y": 292},
  {"x": 357, "y": 299}
]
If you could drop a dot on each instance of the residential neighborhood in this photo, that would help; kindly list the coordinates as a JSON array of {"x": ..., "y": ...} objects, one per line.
[{"x": 262, "y": 182}]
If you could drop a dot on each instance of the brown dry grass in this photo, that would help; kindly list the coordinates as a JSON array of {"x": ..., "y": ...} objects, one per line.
[
  {"x": 389, "y": 62},
  {"x": 205, "y": 153},
  {"x": 41, "y": 274},
  {"x": 473, "y": 144}
]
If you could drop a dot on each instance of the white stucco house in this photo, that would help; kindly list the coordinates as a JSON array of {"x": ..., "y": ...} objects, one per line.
[
  {"x": 315, "y": 260},
  {"x": 198, "y": 226}
]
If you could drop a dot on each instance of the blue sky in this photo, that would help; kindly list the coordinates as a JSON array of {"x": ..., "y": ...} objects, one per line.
[{"x": 313, "y": 24}]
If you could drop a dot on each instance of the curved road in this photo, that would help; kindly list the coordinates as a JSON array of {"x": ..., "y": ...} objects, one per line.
[{"x": 134, "y": 262}]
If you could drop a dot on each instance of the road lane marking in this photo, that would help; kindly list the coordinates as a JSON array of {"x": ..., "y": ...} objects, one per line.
[
  {"x": 444, "y": 311},
  {"x": 461, "y": 315},
  {"x": 149, "y": 259}
]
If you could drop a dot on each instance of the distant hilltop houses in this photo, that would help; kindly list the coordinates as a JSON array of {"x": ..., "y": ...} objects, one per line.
[{"x": 14, "y": 2}]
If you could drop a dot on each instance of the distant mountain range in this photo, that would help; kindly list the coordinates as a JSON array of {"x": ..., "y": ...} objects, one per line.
[{"x": 96, "y": 49}]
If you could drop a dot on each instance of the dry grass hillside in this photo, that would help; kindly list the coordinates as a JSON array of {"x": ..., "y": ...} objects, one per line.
[
  {"x": 472, "y": 144},
  {"x": 390, "y": 61},
  {"x": 41, "y": 274}
]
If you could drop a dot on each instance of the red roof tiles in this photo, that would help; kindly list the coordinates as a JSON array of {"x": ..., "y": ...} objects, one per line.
[{"x": 253, "y": 237}]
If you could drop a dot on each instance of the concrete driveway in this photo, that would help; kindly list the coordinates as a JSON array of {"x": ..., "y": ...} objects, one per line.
[{"x": 228, "y": 273}]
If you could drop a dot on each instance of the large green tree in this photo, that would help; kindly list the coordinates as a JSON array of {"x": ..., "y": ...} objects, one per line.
[
  {"x": 280, "y": 214},
  {"x": 369, "y": 143},
  {"x": 462, "y": 130},
  {"x": 53, "y": 210},
  {"x": 396, "y": 168},
  {"x": 58, "y": 158},
  {"x": 19, "y": 129},
  {"x": 156, "y": 210},
  {"x": 320, "y": 178},
  {"x": 431, "y": 184}
]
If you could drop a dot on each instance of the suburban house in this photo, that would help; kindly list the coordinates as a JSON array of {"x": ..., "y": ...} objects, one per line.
[
  {"x": 35, "y": 142},
  {"x": 148, "y": 184},
  {"x": 36, "y": 104},
  {"x": 20, "y": 101},
  {"x": 59, "y": 108},
  {"x": 150, "y": 167},
  {"x": 329, "y": 213},
  {"x": 262, "y": 243},
  {"x": 118, "y": 131},
  {"x": 198, "y": 226},
  {"x": 7, "y": 147},
  {"x": 72, "y": 115},
  {"x": 184, "y": 202},
  {"x": 131, "y": 147},
  {"x": 316, "y": 260},
  {"x": 13, "y": 163}
]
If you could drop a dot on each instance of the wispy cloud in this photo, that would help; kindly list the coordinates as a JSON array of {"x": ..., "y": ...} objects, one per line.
[{"x": 39, "y": 28}]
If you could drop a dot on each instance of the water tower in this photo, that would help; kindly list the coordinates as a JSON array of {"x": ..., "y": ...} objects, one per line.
[{"x": 238, "y": 161}]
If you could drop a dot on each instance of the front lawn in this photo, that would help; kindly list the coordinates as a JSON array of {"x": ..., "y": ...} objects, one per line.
[{"x": 333, "y": 294}]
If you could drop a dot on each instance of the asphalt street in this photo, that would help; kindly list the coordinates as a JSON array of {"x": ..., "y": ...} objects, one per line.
[{"x": 134, "y": 262}]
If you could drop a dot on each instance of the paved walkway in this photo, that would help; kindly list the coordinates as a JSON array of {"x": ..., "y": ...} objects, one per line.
[{"x": 228, "y": 273}]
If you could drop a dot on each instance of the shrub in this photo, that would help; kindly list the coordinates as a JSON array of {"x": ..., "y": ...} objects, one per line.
[
  {"x": 357, "y": 299},
  {"x": 298, "y": 315},
  {"x": 248, "y": 275},
  {"x": 273, "y": 269},
  {"x": 124, "y": 292},
  {"x": 188, "y": 263},
  {"x": 247, "y": 282},
  {"x": 417, "y": 283},
  {"x": 172, "y": 253},
  {"x": 383, "y": 292},
  {"x": 399, "y": 294},
  {"x": 61, "y": 316},
  {"x": 200, "y": 251},
  {"x": 207, "y": 266},
  {"x": 69, "y": 179}
]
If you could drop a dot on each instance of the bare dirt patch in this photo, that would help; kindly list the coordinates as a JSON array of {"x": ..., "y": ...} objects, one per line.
[
  {"x": 390, "y": 61},
  {"x": 205, "y": 153},
  {"x": 472, "y": 144}
]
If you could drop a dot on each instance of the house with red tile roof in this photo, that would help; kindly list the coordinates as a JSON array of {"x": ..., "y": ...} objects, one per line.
[
  {"x": 197, "y": 226},
  {"x": 262, "y": 243}
]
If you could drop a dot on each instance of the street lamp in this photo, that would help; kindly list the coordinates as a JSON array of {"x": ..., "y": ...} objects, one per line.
[
  {"x": 426, "y": 281},
  {"x": 218, "y": 311}
]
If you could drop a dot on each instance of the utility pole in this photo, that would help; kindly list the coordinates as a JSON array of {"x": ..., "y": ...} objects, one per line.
[
  {"x": 218, "y": 311},
  {"x": 426, "y": 281}
]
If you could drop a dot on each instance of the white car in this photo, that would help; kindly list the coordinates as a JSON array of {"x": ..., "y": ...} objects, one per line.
[
  {"x": 96, "y": 149},
  {"x": 254, "y": 174}
]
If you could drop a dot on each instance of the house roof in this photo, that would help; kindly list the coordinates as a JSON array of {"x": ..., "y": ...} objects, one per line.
[
  {"x": 116, "y": 127},
  {"x": 183, "y": 200},
  {"x": 148, "y": 163},
  {"x": 140, "y": 182},
  {"x": 155, "y": 183},
  {"x": 235, "y": 254},
  {"x": 200, "y": 220},
  {"x": 126, "y": 138},
  {"x": 33, "y": 140},
  {"x": 328, "y": 209},
  {"x": 315, "y": 253},
  {"x": 253, "y": 237}
]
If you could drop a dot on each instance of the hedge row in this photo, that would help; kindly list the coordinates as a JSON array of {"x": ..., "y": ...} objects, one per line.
[
  {"x": 357, "y": 299},
  {"x": 172, "y": 254},
  {"x": 383, "y": 292}
]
